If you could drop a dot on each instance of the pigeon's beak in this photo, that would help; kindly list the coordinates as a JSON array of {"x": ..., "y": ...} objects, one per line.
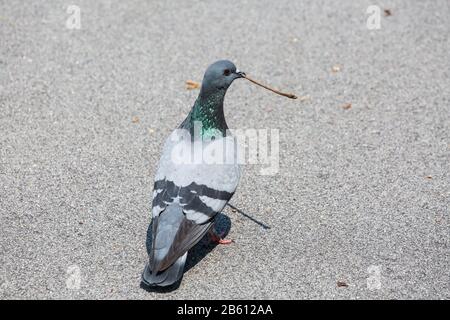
[
  {"x": 243, "y": 75},
  {"x": 240, "y": 74}
]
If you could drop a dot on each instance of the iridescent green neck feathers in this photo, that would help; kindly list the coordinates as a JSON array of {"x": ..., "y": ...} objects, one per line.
[{"x": 208, "y": 112}]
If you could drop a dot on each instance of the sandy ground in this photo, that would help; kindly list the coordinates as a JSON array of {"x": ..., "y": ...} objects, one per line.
[{"x": 362, "y": 194}]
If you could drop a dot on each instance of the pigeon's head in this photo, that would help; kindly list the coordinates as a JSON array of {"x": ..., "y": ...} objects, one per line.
[{"x": 219, "y": 76}]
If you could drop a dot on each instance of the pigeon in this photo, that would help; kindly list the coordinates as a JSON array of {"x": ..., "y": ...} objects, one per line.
[{"x": 197, "y": 175}]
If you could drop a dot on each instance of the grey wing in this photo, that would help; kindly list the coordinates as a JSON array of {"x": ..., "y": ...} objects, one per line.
[
  {"x": 181, "y": 217},
  {"x": 186, "y": 199}
]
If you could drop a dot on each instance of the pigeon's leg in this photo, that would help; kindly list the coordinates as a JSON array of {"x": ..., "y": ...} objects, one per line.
[{"x": 218, "y": 238}]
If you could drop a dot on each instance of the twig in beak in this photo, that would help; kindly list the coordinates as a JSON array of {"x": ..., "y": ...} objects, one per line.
[{"x": 288, "y": 95}]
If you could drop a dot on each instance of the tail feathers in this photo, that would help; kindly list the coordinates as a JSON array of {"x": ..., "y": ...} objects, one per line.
[{"x": 166, "y": 277}]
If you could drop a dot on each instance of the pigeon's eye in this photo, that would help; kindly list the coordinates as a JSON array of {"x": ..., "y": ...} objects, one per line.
[{"x": 226, "y": 72}]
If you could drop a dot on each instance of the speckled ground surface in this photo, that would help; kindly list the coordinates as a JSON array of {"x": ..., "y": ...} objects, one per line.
[{"x": 362, "y": 195}]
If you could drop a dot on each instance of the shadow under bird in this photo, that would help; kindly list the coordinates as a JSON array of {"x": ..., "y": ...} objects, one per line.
[{"x": 189, "y": 194}]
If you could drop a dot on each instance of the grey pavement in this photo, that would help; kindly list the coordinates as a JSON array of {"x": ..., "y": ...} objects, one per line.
[{"x": 360, "y": 205}]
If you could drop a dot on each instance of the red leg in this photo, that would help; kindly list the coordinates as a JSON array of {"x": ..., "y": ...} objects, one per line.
[{"x": 218, "y": 238}]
